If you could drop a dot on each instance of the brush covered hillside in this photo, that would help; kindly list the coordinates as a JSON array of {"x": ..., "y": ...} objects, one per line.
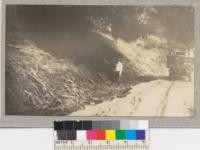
[
  {"x": 46, "y": 85},
  {"x": 61, "y": 59}
]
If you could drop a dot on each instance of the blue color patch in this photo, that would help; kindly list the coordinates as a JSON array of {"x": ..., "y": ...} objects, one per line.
[
  {"x": 130, "y": 134},
  {"x": 140, "y": 134}
]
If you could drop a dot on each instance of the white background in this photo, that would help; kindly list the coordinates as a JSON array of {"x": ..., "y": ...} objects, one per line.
[{"x": 42, "y": 139}]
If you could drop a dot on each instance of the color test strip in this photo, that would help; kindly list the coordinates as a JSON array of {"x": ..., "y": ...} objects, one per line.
[
  {"x": 95, "y": 125},
  {"x": 101, "y": 134},
  {"x": 101, "y": 130}
]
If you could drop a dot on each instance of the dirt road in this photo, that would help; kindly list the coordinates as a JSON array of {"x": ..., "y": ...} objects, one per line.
[{"x": 154, "y": 98}]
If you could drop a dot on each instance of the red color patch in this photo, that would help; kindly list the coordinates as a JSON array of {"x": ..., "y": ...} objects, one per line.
[{"x": 100, "y": 134}]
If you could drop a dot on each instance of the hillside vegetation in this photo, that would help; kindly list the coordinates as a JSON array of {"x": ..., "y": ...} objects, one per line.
[
  {"x": 60, "y": 59},
  {"x": 42, "y": 84}
]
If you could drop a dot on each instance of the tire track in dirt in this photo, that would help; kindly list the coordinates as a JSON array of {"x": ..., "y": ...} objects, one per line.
[
  {"x": 160, "y": 111},
  {"x": 144, "y": 92},
  {"x": 127, "y": 105}
]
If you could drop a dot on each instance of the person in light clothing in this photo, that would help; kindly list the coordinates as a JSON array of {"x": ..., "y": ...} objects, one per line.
[{"x": 118, "y": 70}]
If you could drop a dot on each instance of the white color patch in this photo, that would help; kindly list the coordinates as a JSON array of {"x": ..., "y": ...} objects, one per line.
[
  {"x": 81, "y": 135},
  {"x": 143, "y": 125}
]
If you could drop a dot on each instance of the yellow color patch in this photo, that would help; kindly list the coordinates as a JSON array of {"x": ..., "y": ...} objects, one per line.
[{"x": 110, "y": 134}]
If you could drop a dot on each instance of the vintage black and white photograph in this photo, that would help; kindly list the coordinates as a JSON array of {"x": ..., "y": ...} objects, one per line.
[{"x": 81, "y": 60}]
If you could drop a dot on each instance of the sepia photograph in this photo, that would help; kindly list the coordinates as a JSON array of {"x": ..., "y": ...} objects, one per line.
[{"x": 99, "y": 60}]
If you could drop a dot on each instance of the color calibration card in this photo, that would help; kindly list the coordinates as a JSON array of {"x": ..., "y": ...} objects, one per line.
[{"x": 101, "y": 135}]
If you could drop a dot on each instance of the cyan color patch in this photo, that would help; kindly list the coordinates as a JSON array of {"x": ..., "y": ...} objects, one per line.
[{"x": 130, "y": 134}]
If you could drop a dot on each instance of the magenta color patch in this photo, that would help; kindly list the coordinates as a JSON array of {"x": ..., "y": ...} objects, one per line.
[{"x": 91, "y": 135}]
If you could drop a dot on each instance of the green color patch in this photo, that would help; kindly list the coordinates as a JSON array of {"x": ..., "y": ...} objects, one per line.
[{"x": 120, "y": 135}]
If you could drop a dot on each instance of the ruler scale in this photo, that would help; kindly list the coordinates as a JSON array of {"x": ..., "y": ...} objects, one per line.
[
  {"x": 101, "y": 135},
  {"x": 99, "y": 145}
]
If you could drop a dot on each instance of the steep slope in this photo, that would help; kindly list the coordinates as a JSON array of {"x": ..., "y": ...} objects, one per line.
[
  {"x": 148, "y": 56},
  {"x": 40, "y": 83}
]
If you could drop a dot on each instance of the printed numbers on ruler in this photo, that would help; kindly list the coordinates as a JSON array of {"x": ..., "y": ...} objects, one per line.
[{"x": 101, "y": 145}]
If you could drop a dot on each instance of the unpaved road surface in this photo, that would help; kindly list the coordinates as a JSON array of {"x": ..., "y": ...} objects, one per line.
[{"x": 154, "y": 98}]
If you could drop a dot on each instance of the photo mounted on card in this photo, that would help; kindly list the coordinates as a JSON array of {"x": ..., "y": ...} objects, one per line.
[{"x": 100, "y": 59}]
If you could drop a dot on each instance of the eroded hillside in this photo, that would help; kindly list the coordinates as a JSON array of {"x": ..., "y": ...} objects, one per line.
[{"x": 62, "y": 60}]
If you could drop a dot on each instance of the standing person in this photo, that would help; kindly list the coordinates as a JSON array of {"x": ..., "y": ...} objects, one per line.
[{"x": 118, "y": 71}]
